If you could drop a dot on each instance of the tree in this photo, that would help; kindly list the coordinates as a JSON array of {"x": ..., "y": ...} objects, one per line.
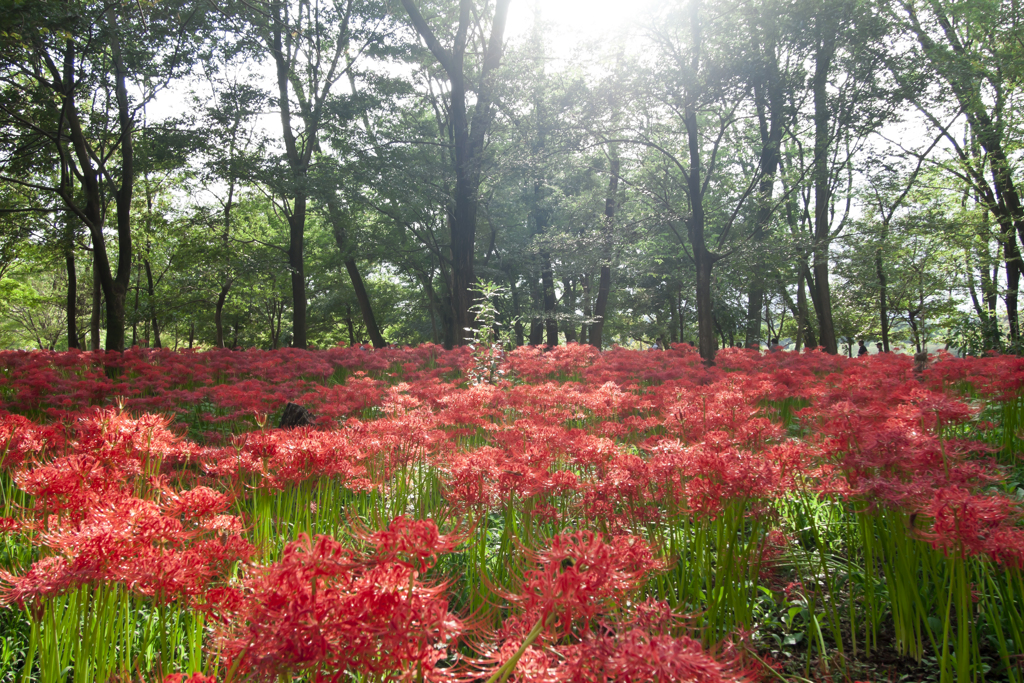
[
  {"x": 969, "y": 54},
  {"x": 312, "y": 44},
  {"x": 58, "y": 62},
  {"x": 467, "y": 133}
]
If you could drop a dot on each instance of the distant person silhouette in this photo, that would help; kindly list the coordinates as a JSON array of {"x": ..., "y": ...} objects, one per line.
[{"x": 862, "y": 350}]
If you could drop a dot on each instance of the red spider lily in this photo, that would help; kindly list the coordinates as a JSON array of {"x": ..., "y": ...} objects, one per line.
[
  {"x": 972, "y": 524},
  {"x": 322, "y": 609},
  {"x": 580, "y": 572},
  {"x": 638, "y": 656},
  {"x": 196, "y": 503},
  {"x": 185, "y": 678},
  {"x": 413, "y": 543},
  {"x": 126, "y": 540}
]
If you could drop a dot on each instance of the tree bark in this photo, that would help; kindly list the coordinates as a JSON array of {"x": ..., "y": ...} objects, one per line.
[
  {"x": 218, "y": 314},
  {"x": 94, "y": 316},
  {"x": 536, "y": 321},
  {"x": 1013, "y": 265},
  {"x": 91, "y": 177},
  {"x": 72, "y": 297},
  {"x": 883, "y": 282},
  {"x": 135, "y": 310},
  {"x": 604, "y": 283},
  {"x": 299, "y": 149},
  {"x": 703, "y": 259},
  {"x": 152, "y": 303},
  {"x": 769, "y": 96},
  {"x": 516, "y": 311},
  {"x": 588, "y": 311},
  {"x": 338, "y": 219},
  {"x": 569, "y": 305},
  {"x": 468, "y": 137},
  {"x": 824, "y": 54},
  {"x": 547, "y": 280},
  {"x": 363, "y": 299}
]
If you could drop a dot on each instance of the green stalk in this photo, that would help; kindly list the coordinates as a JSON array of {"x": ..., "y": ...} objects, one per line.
[{"x": 508, "y": 667}]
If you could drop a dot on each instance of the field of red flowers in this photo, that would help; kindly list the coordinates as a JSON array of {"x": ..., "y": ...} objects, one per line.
[{"x": 617, "y": 516}]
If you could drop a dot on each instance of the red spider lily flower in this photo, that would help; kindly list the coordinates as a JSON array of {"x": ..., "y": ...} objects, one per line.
[
  {"x": 580, "y": 571},
  {"x": 324, "y": 610},
  {"x": 199, "y": 502},
  {"x": 185, "y": 678},
  {"x": 971, "y": 524},
  {"x": 47, "y": 576},
  {"x": 638, "y": 656},
  {"x": 414, "y": 543}
]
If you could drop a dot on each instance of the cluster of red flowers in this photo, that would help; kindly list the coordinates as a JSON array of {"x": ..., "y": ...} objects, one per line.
[{"x": 590, "y": 448}]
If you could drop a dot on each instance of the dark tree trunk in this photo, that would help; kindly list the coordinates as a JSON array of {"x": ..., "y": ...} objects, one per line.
[
  {"x": 94, "y": 317},
  {"x": 92, "y": 178},
  {"x": 297, "y": 267},
  {"x": 338, "y": 220},
  {"x": 363, "y": 299},
  {"x": 826, "y": 46},
  {"x": 569, "y": 306},
  {"x": 1012, "y": 284},
  {"x": 72, "y": 298},
  {"x": 218, "y": 314},
  {"x": 547, "y": 280},
  {"x": 769, "y": 95},
  {"x": 351, "y": 327},
  {"x": 468, "y": 137},
  {"x": 135, "y": 310},
  {"x": 432, "y": 306},
  {"x": 604, "y": 284},
  {"x": 536, "y": 321},
  {"x": 588, "y": 311},
  {"x": 152, "y": 304},
  {"x": 883, "y": 290},
  {"x": 516, "y": 311},
  {"x": 801, "y": 317},
  {"x": 702, "y": 257}
]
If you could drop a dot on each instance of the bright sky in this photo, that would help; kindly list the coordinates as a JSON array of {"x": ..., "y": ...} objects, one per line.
[{"x": 571, "y": 21}]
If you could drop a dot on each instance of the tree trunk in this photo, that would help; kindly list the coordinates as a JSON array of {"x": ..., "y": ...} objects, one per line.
[
  {"x": 297, "y": 268},
  {"x": 363, "y": 299},
  {"x": 516, "y": 311},
  {"x": 536, "y": 321},
  {"x": 118, "y": 285},
  {"x": 218, "y": 314},
  {"x": 604, "y": 283},
  {"x": 1012, "y": 285},
  {"x": 883, "y": 310},
  {"x": 468, "y": 138},
  {"x": 135, "y": 310},
  {"x": 702, "y": 257},
  {"x": 588, "y": 311},
  {"x": 338, "y": 220},
  {"x": 94, "y": 316},
  {"x": 569, "y": 306},
  {"x": 72, "y": 298},
  {"x": 547, "y": 280},
  {"x": 351, "y": 327},
  {"x": 769, "y": 95},
  {"x": 152, "y": 304},
  {"x": 114, "y": 287},
  {"x": 822, "y": 188}
]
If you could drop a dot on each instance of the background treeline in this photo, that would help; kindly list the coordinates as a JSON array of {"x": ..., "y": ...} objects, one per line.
[{"x": 191, "y": 173}]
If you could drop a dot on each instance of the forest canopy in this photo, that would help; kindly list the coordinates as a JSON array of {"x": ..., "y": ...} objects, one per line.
[{"x": 268, "y": 173}]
